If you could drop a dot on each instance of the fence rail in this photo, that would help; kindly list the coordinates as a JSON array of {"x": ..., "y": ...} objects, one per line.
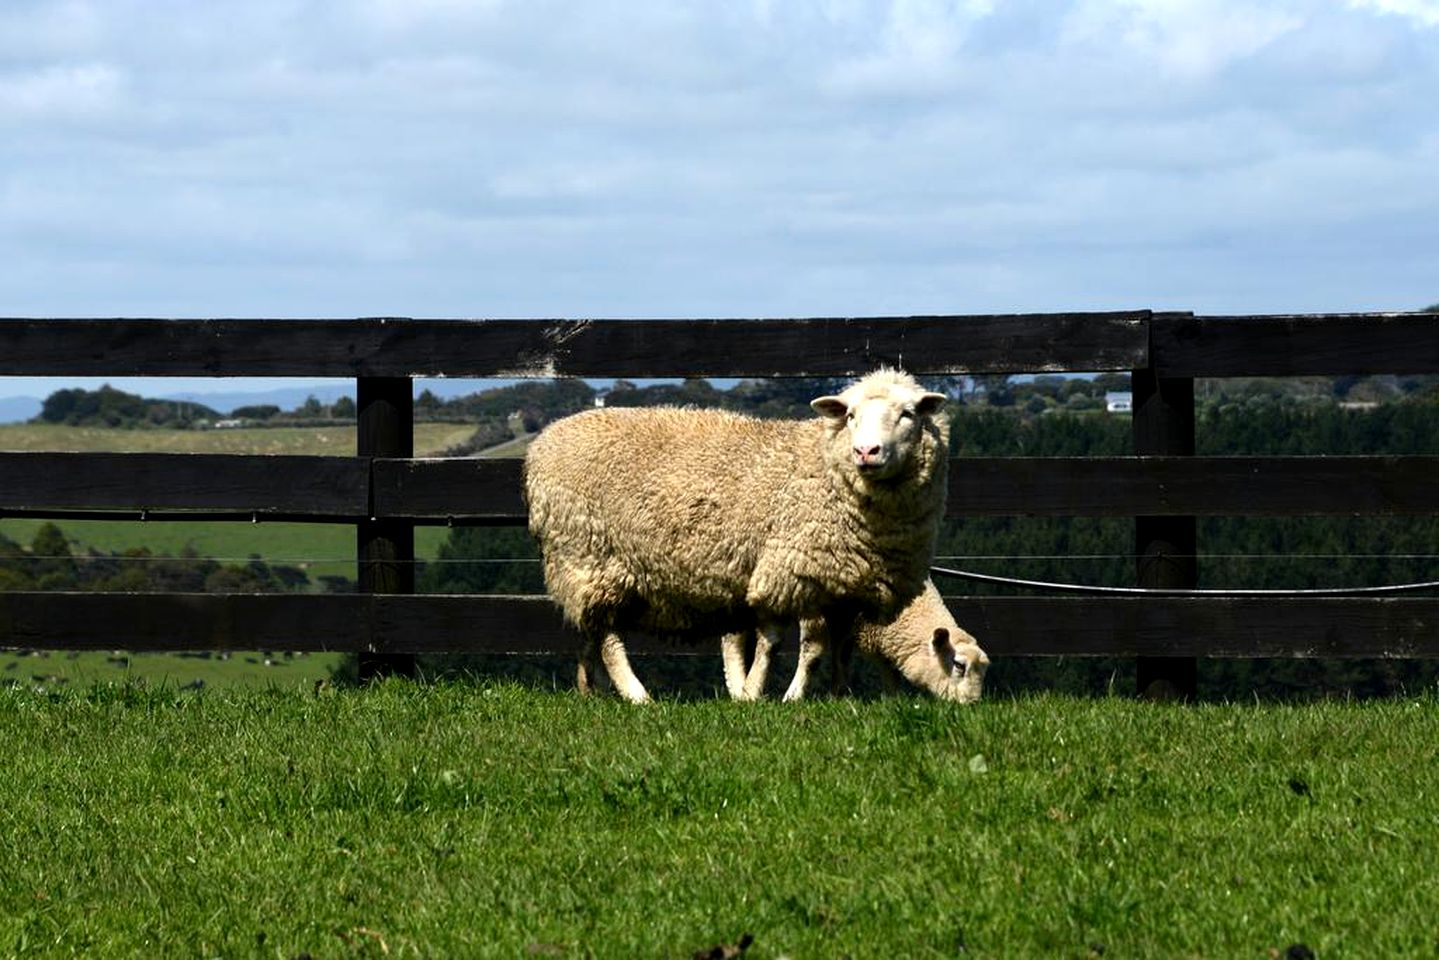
[
  {"x": 482, "y": 491},
  {"x": 384, "y": 492},
  {"x": 1010, "y": 626},
  {"x": 388, "y": 347}
]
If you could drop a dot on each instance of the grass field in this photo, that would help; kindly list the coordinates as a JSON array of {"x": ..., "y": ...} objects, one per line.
[
  {"x": 513, "y": 448},
  {"x": 325, "y": 549},
  {"x": 430, "y": 439},
  {"x": 320, "y": 549},
  {"x": 51, "y": 669},
  {"x": 472, "y": 820}
]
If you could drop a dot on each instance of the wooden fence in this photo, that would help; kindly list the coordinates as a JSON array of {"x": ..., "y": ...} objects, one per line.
[{"x": 384, "y": 492}]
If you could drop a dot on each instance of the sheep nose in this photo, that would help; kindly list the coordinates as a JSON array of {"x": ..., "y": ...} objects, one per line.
[{"x": 866, "y": 454}]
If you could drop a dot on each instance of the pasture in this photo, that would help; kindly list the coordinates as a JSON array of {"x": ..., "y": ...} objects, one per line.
[
  {"x": 430, "y": 439},
  {"x": 209, "y": 669},
  {"x": 319, "y": 549},
  {"x": 1158, "y": 481},
  {"x": 497, "y": 820}
]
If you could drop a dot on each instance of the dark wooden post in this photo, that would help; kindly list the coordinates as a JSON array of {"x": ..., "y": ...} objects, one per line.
[
  {"x": 1165, "y": 547},
  {"x": 385, "y": 547}
]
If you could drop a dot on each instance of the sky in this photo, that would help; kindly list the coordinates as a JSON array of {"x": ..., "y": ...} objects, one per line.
[{"x": 490, "y": 158}]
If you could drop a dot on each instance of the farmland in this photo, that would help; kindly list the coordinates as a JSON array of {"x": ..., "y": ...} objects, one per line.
[
  {"x": 496, "y": 820},
  {"x": 339, "y": 441},
  {"x": 87, "y": 668},
  {"x": 321, "y": 550},
  {"x": 324, "y": 549},
  {"x": 491, "y": 819}
]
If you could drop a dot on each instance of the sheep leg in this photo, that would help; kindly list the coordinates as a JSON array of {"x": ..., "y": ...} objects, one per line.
[
  {"x": 813, "y": 639},
  {"x": 767, "y": 637},
  {"x": 588, "y": 677},
  {"x": 622, "y": 675},
  {"x": 732, "y": 648},
  {"x": 583, "y": 683},
  {"x": 841, "y": 623}
]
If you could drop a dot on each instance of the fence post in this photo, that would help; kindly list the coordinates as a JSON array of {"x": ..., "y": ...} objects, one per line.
[
  {"x": 1165, "y": 547},
  {"x": 385, "y": 548}
]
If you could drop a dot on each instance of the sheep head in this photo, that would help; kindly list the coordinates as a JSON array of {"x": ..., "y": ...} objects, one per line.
[
  {"x": 960, "y": 667},
  {"x": 877, "y": 423}
]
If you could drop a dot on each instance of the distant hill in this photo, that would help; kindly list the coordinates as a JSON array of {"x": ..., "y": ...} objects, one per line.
[{"x": 288, "y": 398}]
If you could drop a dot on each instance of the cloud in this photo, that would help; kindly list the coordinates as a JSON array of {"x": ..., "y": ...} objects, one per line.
[
  {"x": 41, "y": 32},
  {"x": 630, "y": 158},
  {"x": 1189, "y": 39},
  {"x": 59, "y": 93},
  {"x": 918, "y": 46},
  {"x": 1425, "y": 12}
]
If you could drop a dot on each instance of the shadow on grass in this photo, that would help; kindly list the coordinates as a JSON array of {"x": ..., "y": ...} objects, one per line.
[{"x": 700, "y": 676}]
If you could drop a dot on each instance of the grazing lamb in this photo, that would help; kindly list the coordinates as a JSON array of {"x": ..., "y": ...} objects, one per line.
[
  {"x": 693, "y": 523},
  {"x": 923, "y": 644}
]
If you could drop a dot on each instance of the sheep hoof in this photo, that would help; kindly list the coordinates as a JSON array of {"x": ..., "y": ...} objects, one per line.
[{"x": 636, "y": 696}]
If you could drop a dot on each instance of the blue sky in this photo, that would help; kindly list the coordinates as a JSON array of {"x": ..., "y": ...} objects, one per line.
[{"x": 491, "y": 158}]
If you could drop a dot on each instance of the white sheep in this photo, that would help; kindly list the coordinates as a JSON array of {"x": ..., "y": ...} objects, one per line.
[
  {"x": 923, "y": 644},
  {"x": 693, "y": 523}
]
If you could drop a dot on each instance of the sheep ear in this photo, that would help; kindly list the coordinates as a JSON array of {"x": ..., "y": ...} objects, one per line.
[
  {"x": 948, "y": 656},
  {"x": 832, "y": 407},
  {"x": 929, "y": 403}
]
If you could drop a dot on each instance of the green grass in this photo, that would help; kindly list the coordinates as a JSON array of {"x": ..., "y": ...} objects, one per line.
[
  {"x": 430, "y": 439},
  {"x": 239, "y": 668},
  {"x": 511, "y": 448},
  {"x": 320, "y": 549},
  {"x": 470, "y": 820},
  {"x": 325, "y": 549}
]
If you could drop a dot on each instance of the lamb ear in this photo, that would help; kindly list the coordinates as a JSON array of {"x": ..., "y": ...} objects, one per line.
[
  {"x": 948, "y": 656},
  {"x": 929, "y": 403},
  {"x": 832, "y": 407}
]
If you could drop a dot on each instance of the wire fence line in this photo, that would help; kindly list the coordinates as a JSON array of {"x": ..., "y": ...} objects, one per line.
[{"x": 1228, "y": 592}]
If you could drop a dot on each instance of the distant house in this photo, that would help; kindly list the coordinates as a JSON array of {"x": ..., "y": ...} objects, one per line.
[{"x": 1119, "y": 401}]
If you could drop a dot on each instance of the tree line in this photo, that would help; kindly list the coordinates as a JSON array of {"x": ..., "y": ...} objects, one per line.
[
  {"x": 51, "y": 562},
  {"x": 115, "y": 409}
]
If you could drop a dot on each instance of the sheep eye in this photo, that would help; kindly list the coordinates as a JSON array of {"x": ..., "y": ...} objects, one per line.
[{"x": 906, "y": 414}]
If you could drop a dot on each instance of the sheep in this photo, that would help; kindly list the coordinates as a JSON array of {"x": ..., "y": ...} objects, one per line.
[
  {"x": 923, "y": 644},
  {"x": 693, "y": 523}
]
